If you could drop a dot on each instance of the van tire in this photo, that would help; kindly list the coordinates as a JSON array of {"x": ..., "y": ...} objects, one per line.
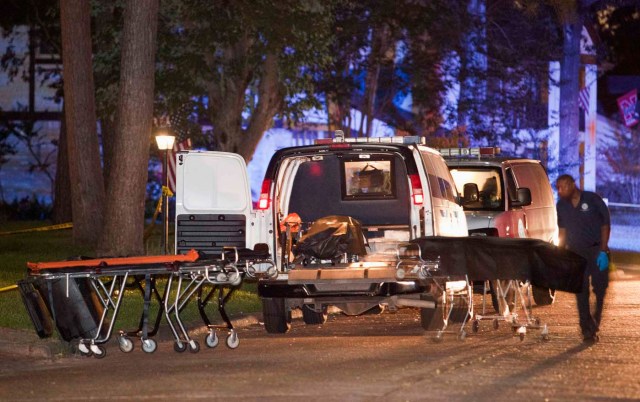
[
  {"x": 431, "y": 318},
  {"x": 543, "y": 296},
  {"x": 276, "y": 315},
  {"x": 460, "y": 311},
  {"x": 312, "y": 317}
]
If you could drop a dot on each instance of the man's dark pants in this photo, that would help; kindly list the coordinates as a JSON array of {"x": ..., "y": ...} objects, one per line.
[{"x": 590, "y": 323}]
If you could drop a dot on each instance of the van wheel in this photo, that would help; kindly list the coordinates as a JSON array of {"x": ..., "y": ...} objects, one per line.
[
  {"x": 460, "y": 310},
  {"x": 311, "y": 317},
  {"x": 276, "y": 315},
  {"x": 431, "y": 318},
  {"x": 543, "y": 296}
]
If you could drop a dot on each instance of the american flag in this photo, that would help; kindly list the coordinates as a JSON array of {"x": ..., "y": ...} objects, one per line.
[
  {"x": 583, "y": 99},
  {"x": 177, "y": 146},
  {"x": 179, "y": 124}
]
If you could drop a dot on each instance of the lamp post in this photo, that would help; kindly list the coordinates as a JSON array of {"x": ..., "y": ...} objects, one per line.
[{"x": 165, "y": 143}]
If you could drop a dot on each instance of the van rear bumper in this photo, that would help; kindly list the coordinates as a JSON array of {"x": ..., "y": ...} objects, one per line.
[{"x": 338, "y": 290}]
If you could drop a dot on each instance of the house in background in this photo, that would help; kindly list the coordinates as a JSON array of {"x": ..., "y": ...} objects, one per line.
[{"x": 28, "y": 96}]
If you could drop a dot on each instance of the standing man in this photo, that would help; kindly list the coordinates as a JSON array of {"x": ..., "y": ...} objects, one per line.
[{"x": 585, "y": 225}]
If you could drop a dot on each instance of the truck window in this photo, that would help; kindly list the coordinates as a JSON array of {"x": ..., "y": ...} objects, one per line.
[
  {"x": 490, "y": 196},
  {"x": 368, "y": 179},
  {"x": 511, "y": 185}
]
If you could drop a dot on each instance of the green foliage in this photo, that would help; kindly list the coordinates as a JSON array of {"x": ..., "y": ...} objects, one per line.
[{"x": 222, "y": 45}]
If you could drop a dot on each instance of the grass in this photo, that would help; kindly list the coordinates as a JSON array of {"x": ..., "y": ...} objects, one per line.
[{"x": 18, "y": 249}]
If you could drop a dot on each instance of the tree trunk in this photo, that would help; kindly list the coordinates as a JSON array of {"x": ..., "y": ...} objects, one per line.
[
  {"x": 569, "y": 158},
  {"x": 227, "y": 100},
  {"x": 379, "y": 48},
  {"x": 124, "y": 215},
  {"x": 107, "y": 133},
  {"x": 87, "y": 185},
  {"x": 62, "y": 211}
]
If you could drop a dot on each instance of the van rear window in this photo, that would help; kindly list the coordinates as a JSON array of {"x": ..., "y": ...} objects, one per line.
[{"x": 368, "y": 179}]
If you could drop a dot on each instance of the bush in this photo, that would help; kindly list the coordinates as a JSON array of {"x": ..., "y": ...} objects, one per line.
[{"x": 25, "y": 209}]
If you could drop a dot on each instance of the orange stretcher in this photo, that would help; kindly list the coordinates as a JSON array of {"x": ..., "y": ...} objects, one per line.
[
  {"x": 105, "y": 279},
  {"x": 191, "y": 256}
]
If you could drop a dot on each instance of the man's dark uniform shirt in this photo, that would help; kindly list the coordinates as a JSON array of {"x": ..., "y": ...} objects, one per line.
[{"x": 583, "y": 222}]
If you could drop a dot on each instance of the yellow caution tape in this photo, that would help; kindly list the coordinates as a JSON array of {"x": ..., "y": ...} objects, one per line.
[
  {"x": 40, "y": 229},
  {"x": 166, "y": 191},
  {"x": 6, "y": 289}
]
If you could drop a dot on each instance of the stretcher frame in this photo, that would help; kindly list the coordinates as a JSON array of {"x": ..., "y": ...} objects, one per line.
[
  {"x": 108, "y": 278},
  {"x": 519, "y": 317},
  {"x": 453, "y": 291}
]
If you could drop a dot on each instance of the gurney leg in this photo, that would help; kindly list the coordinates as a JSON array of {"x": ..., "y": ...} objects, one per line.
[
  {"x": 202, "y": 303},
  {"x": 167, "y": 313},
  {"x": 159, "y": 298},
  {"x": 232, "y": 339},
  {"x": 194, "y": 346}
]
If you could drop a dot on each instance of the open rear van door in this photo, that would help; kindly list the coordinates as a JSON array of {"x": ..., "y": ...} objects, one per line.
[{"x": 213, "y": 201}]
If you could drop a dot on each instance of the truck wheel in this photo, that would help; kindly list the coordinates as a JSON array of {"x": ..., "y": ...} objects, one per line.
[
  {"x": 509, "y": 297},
  {"x": 543, "y": 296},
  {"x": 276, "y": 315},
  {"x": 311, "y": 317},
  {"x": 431, "y": 318},
  {"x": 460, "y": 311}
]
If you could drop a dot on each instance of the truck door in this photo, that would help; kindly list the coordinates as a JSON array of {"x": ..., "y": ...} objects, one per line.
[{"x": 213, "y": 202}]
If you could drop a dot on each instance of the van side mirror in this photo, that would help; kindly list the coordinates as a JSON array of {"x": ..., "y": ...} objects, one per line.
[
  {"x": 470, "y": 193},
  {"x": 524, "y": 198}
]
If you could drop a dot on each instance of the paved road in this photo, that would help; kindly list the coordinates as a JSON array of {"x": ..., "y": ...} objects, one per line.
[{"x": 373, "y": 357}]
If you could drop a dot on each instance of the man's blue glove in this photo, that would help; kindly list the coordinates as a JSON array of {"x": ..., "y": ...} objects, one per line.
[{"x": 603, "y": 260}]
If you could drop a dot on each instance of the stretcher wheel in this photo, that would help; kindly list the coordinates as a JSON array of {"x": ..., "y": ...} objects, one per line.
[
  {"x": 179, "y": 347},
  {"x": 211, "y": 340},
  {"x": 462, "y": 335},
  {"x": 235, "y": 279},
  {"x": 126, "y": 344},
  {"x": 98, "y": 351},
  {"x": 232, "y": 340},
  {"x": 194, "y": 346},
  {"x": 475, "y": 326},
  {"x": 84, "y": 350},
  {"x": 522, "y": 331},
  {"x": 149, "y": 345},
  {"x": 496, "y": 323},
  {"x": 438, "y": 337}
]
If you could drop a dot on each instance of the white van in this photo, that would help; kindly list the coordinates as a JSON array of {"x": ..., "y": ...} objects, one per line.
[
  {"x": 505, "y": 197},
  {"x": 387, "y": 190}
]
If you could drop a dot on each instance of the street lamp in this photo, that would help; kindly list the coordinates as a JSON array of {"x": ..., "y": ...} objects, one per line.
[{"x": 165, "y": 143}]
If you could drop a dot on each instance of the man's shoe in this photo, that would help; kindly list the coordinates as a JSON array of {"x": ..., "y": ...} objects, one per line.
[{"x": 591, "y": 339}]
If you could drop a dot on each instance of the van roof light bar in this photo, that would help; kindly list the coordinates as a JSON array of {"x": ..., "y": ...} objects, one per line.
[
  {"x": 473, "y": 152},
  {"x": 340, "y": 138}
]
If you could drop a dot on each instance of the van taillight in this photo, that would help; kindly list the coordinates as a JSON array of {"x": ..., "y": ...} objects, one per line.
[
  {"x": 264, "y": 201},
  {"x": 416, "y": 189}
]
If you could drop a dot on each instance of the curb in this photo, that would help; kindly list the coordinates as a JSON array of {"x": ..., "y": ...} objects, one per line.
[{"x": 26, "y": 343}]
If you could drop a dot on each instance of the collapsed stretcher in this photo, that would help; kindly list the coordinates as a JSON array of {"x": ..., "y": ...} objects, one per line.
[{"x": 83, "y": 297}]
